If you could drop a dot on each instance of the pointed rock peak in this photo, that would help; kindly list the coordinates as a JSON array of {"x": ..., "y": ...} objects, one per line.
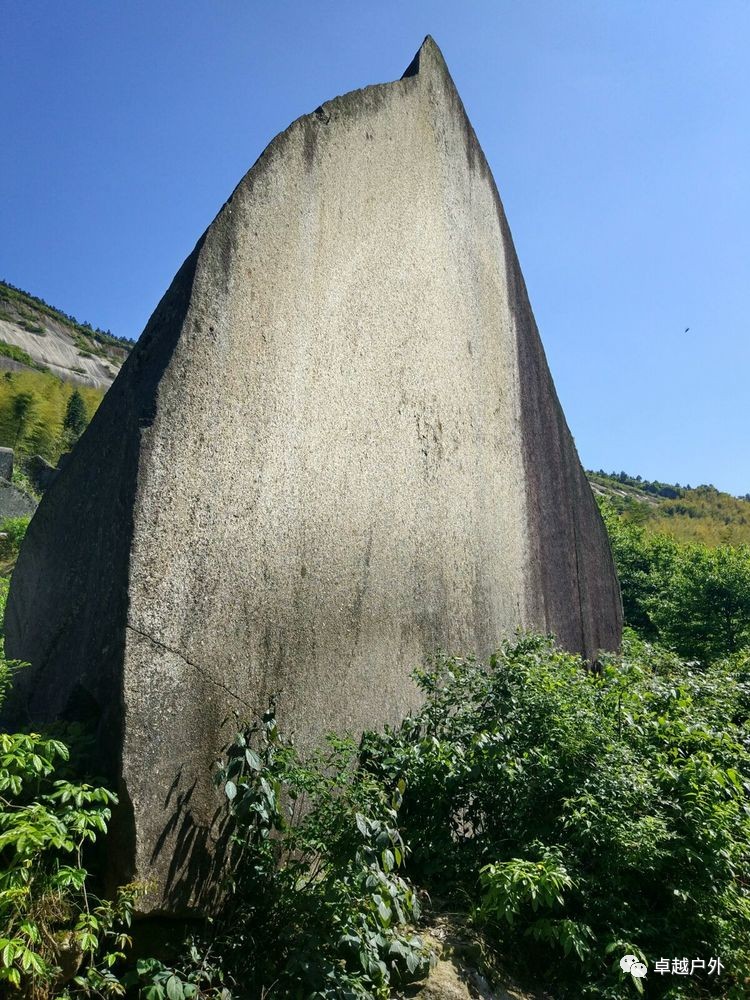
[
  {"x": 358, "y": 331},
  {"x": 429, "y": 59}
]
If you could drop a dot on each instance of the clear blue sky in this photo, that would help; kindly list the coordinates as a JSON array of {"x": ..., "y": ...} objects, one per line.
[{"x": 618, "y": 132}]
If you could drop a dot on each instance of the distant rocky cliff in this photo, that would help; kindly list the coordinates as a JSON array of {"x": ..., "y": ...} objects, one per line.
[{"x": 34, "y": 335}]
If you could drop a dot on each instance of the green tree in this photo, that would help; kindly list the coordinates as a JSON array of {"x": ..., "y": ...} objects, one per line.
[
  {"x": 76, "y": 418},
  {"x": 645, "y": 567},
  {"x": 22, "y": 408},
  {"x": 705, "y": 610}
]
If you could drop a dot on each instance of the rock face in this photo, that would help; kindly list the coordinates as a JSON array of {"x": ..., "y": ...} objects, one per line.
[
  {"x": 55, "y": 342},
  {"x": 6, "y": 463},
  {"x": 336, "y": 447},
  {"x": 15, "y": 502}
]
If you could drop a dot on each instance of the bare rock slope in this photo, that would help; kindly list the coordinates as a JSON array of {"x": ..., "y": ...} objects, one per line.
[
  {"x": 36, "y": 336},
  {"x": 336, "y": 447}
]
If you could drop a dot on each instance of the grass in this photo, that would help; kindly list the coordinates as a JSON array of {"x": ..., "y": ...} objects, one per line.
[
  {"x": 32, "y": 327},
  {"x": 18, "y": 354}
]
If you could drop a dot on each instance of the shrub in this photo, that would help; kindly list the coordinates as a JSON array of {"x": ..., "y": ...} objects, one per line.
[
  {"x": 14, "y": 529},
  {"x": 56, "y": 937},
  {"x": 584, "y": 816},
  {"x": 18, "y": 354},
  {"x": 318, "y": 907}
]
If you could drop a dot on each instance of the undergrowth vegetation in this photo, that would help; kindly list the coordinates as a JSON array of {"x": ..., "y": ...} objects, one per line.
[
  {"x": 580, "y": 817},
  {"x": 564, "y": 817},
  {"x": 318, "y": 906},
  {"x": 57, "y": 938}
]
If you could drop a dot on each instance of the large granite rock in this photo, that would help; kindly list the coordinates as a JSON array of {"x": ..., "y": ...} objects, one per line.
[{"x": 336, "y": 447}]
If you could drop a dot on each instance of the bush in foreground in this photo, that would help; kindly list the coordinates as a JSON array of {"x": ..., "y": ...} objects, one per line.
[
  {"x": 56, "y": 937},
  {"x": 570, "y": 818},
  {"x": 582, "y": 817}
]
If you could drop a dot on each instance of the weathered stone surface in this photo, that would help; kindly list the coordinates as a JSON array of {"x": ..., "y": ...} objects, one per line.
[
  {"x": 15, "y": 502},
  {"x": 335, "y": 447},
  {"x": 6, "y": 463}
]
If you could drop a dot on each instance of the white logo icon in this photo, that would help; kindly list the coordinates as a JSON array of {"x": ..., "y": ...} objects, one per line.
[{"x": 630, "y": 963}]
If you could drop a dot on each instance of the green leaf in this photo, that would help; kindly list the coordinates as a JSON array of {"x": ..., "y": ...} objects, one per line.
[
  {"x": 413, "y": 961},
  {"x": 174, "y": 988}
]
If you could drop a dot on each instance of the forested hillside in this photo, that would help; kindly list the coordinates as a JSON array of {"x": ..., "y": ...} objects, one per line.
[
  {"x": 48, "y": 358},
  {"x": 33, "y": 408},
  {"x": 687, "y": 513}
]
